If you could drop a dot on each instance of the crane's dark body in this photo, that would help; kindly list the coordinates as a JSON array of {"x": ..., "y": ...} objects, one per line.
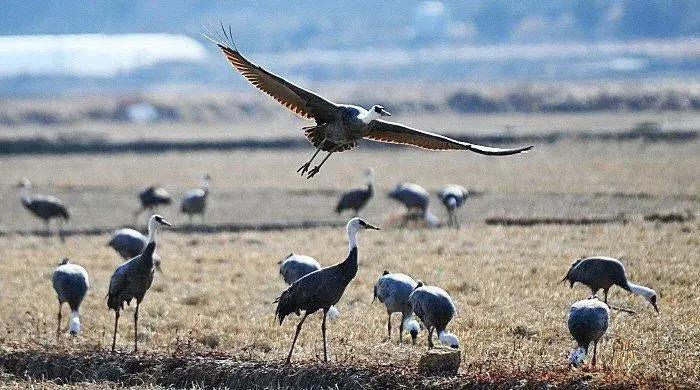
[
  {"x": 154, "y": 196},
  {"x": 598, "y": 273},
  {"x": 587, "y": 322},
  {"x": 46, "y": 207},
  {"x": 412, "y": 196},
  {"x": 355, "y": 200}
]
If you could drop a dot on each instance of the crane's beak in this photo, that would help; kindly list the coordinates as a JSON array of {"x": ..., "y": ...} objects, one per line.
[
  {"x": 166, "y": 223},
  {"x": 655, "y": 307},
  {"x": 368, "y": 226},
  {"x": 384, "y": 112}
]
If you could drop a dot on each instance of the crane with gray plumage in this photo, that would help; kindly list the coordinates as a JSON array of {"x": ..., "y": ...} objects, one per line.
[
  {"x": 46, "y": 207},
  {"x": 71, "y": 283},
  {"x": 132, "y": 279},
  {"x": 602, "y": 272},
  {"x": 435, "y": 309},
  {"x": 414, "y": 197},
  {"x": 356, "y": 199},
  {"x": 294, "y": 267},
  {"x": 195, "y": 201},
  {"x": 339, "y": 127},
  {"x": 588, "y": 321},
  {"x": 453, "y": 197},
  {"x": 393, "y": 291},
  {"x": 321, "y": 289},
  {"x": 152, "y": 197},
  {"x": 130, "y": 243}
]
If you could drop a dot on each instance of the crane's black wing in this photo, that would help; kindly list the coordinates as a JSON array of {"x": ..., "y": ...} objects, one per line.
[{"x": 396, "y": 133}]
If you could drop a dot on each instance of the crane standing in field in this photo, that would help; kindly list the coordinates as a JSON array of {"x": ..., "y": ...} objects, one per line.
[
  {"x": 46, "y": 207},
  {"x": 588, "y": 321},
  {"x": 151, "y": 197},
  {"x": 339, "y": 126},
  {"x": 71, "y": 283},
  {"x": 601, "y": 272},
  {"x": 130, "y": 243},
  {"x": 453, "y": 197},
  {"x": 294, "y": 267},
  {"x": 321, "y": 289},
  {"x": 132, "y": 279},
  {"x": 435, "y": 309},
  {"x": 195, "y": 201},
  {"x": 393, "y": 291},
  {"x": 357, "y": 198}
]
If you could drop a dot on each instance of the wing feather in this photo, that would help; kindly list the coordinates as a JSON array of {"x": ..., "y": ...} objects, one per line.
[{"x": 396, "y": 133}]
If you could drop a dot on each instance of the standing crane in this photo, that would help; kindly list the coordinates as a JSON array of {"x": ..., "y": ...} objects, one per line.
[
  {"x": 71, "y": 283},
  {"x": 393, "y": 291},
  {"x": 294, "y": 267},
  {"x": 132, "y": 279},
  {"x": 453, "y": 197},
  {"x": 321, "y": 289},
  {"x": 46, "y": 207},
  {"x": 195, "y": 201},
  {"x": 356, "y": 199}
]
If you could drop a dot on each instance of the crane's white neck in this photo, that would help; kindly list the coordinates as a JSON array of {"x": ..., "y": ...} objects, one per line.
[
  {"x": 646, "y": 292},
  {"x": 449, "y": 339},
  {"x": 74, "y": 322},
  {"x": 368, "y": 116},
  {"x": 352, "y": 237},
  {"x": 204, "y": 184},
  {"x": 152, "y": 229}
]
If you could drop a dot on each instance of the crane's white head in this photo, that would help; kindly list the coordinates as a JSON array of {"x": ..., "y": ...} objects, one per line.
[
  {"x": 64, "y": 261},
  {"x": 24, "y": 183},
  {"x": 205, "y": 181},
  {"x": 369, "y": 175},
  {"x": 375, "y": 112},
  {"x": 157, "y": 218},
  {"x": 333, "y": 312},
  {"x": 413, "y": 328},
  {"x": 74, "y": 323},
  {"x": 577, "y": 356},
  {"x": 355, "y": 225},
  {"x": 449, "y": 339},
  {"x": 646, "y": 292}
]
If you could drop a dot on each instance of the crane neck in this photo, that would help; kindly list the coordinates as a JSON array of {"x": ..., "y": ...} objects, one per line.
[
  {"x": 152, "y": 230},
  {"x": 352, "y": 239},
  {"x": 645, "y": 292}
]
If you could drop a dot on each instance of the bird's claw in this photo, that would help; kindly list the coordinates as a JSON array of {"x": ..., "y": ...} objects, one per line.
[
  {"x": 313, "y": 172},
  {"x": 304, "y": 168}
]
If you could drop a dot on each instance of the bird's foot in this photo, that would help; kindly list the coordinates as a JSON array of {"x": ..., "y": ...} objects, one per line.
[
  {"x": 313, "y": 172},
  {"x": 304, "y": 168}
]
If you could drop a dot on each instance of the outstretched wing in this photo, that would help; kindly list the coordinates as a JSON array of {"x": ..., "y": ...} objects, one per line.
[
  {"x": 300, "y": 101},
  {"x": 396, "y": 133}
]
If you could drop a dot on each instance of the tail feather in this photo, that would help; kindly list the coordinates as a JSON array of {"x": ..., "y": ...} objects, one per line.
[{"x": 285, "y": 304}]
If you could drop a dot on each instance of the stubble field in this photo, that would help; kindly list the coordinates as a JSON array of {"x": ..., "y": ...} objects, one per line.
[{"x": 215, "y": 297}]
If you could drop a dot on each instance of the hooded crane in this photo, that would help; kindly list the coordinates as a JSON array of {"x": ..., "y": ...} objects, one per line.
[
  {"x": 588, "y": 321},
  {"x": 604, "y": 272},
  {"x": 321, "y": 289},
  {"x": 393, "y": 291},
  {"x": 357, "y": 198},
  {"x": 45, "y": 207},
  {"x": 294, "y": 267},
  {"x": 151, "y": 197},
  {"x": 133, "y": 278},
  {"x": 453, "y": 197},
  {"x": 129, "y": 243},
  {"x": 413, "y": 196},
  {"x": 71, "y": 283},
  {"x": 195, "y": 201},
  {"x": 339, "y": 127},
  {"x": 435, "y": 309}
]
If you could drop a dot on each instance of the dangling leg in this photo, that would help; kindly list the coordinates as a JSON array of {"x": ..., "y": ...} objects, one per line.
[
  {"x": 388, "y": 327},
  {"x": 58, "y": 330},
  {"x": 116, "y": 320},
  {"x": 136, "y": 327},
  {"x": 289, "y": 357},
  {"x": 323, "y": 330},
  {"x": 318, "y": 167},
  {"x": 306, "y": 166},
  {"x": 595, "y": 350},
  {"x": 430, "y": 338}
]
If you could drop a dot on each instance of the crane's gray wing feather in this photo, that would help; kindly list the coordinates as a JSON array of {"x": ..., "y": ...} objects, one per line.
[{"x": 396, "y": 133}]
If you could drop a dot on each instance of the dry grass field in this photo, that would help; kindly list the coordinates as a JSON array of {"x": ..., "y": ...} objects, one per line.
[{"x": 217, "y": 291}]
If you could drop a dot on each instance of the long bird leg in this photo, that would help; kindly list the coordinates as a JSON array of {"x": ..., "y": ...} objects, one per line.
[
  {"x": 136, "y": 328},
  {"x": 595, "y": 350},
  {"x": 318, "y": 167},
  {"x": 401, "y": 332},
  {"x": 58, "y": 331},
  {"x": 388, "y": 327},
  {"x": 289, "y": 357},
  {"x": 430, "y": 338},
  {"x": 323, "y": 330},
  {"x": 306, "y": 166},
  {"x": 116, "y": 320}
]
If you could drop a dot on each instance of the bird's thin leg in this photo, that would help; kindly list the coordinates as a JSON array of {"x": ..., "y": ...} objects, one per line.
[
  {"x": 323, "y": 330},
  {"x": 289, "y": 357},
  {"x": 388, "y": 326},
  {"x": 605, "y": 292},
  {"x": 58, "y": 330},
  {"x": 318, "y": 167},
  {"x": 401, "y": 332},
  {"x": 114, "y": 338},
  {"x": 136, "y": 328},
  {"x": 430, "y": 338},
  {"x": 306, "y": 166},
  {"x": 595, "y": 350}
]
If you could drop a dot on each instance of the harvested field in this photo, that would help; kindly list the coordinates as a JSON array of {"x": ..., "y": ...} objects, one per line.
[{"x": 209, "y": 322}]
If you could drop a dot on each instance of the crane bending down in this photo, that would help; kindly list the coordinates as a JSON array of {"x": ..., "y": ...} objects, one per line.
[
  {"x": 588, "y": 321},
  {"x": 435, "y": 309},
  {"x": 339, "y": 127},
  {"x": 71, "y": 283},
  {"x": 602, "y": 273},
  {"x": 132, "y": 279},
  {"x": 321, "y": 289},
  {"x": 393, "y": 291}
]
